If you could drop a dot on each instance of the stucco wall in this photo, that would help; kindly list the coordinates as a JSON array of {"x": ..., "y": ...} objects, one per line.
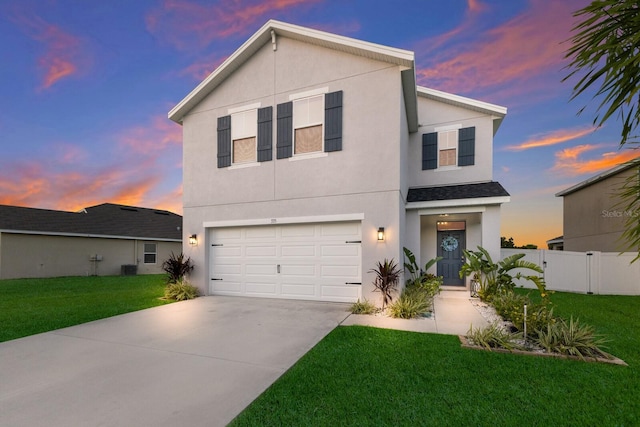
[
  {"x": 592, "y": 219},
  {"x": 434, "y": 114},
  {"x": 26, "y": 255},
  {"x": 363, "y": 178}
]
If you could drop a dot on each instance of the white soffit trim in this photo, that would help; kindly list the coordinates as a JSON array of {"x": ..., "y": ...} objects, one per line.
[
  {"x": 264, "y": 35},
  {"x": 462, "y": 101},
  {"x": 452, "y": 211},
  {"x": 283, "y": 220},
  {"x": 480, "y": 201}
]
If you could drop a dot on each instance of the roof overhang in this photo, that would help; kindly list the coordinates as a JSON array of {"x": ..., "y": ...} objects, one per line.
[
  {"x": 400, "y": 57},
  {"x": 497, "y": 112},
  {"x": 454, "y": 203},
  {"x": 92, "y": 236}
]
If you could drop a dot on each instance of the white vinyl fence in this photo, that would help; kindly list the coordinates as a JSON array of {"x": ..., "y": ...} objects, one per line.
[{"x": 604, "y": 273}]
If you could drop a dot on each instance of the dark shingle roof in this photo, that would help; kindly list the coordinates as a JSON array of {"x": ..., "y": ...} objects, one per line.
[
  {"x": 454, "y": 192},
  {"x": 101, "y": 220}
]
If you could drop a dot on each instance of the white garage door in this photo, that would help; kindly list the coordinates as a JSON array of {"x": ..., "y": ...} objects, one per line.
[{"x": 299, "y": 261}]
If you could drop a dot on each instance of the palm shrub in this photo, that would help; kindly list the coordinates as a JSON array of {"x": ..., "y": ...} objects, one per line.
[
  {"x": 180, "y": 290},
  {"x": 413, "y": 302},
  {"x": 386, "y": 280},
  {"x": 417, "y": 273},
  {"x": 177, "y": 267},
  {"x": 571, "y": 338},
  {"x": 363, "y": 307},
  {"x": 496, "y": 277}
]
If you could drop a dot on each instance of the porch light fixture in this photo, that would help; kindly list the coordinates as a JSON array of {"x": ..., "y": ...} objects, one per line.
[
  {"x": 381, "y": 234},
  {"x": 193, "y": 239}
]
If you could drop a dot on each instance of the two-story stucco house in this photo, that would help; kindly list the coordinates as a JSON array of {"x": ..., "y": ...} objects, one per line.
[{"x": 309, "y": 157}]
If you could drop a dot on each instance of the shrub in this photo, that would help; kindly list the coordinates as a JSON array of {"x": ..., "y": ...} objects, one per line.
[
  {"x": 363, "y": 307},
  {"x": 177, "y": 267},
  {"x": 494, "y": 336},
  {"x": 412, "y": 303},
  {"x": 571, "y": 338},
  {"x": 510, "y": 306},
  {"x": 387, "y": 278},
  {"x": 180, "y": 291}
]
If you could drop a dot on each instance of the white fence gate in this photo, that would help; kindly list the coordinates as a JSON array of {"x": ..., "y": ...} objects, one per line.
[{"x": 605, "y": 273}]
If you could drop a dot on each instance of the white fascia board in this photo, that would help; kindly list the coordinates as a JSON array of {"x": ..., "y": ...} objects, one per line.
[
  {"x": 463, "y": 101},
  {"x": 437, "y": 204},
  {"x": 400, "y": 57},
  {"x": 284, "y": 220},
  {"x": 93, "y": 236}
]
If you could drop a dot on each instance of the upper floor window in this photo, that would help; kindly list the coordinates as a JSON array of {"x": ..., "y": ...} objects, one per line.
[
  {"x": 244, "y": 131},
  {"x": 448, "y": 148},
  {"x": 308, "y": 116}
]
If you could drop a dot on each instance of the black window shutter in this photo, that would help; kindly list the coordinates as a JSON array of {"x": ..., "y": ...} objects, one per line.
[
  {"x": 224, "y": 141},
  {"x": 333, "y": 121},
  {"x": 429, "y": 151},
  {"x": 466, "y": 146},
  {"x": 265, "y": 134},
  {"x": 284, "y": 133}
]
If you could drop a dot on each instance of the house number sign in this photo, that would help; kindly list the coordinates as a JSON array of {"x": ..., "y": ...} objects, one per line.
[{"x": 449, "y": 244}]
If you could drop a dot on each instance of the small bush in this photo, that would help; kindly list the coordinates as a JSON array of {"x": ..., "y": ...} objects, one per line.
[
  {"x": 510, "y": 306},
  {"x": 363, "y": 307},
  {"x": 412, "y": 303},
  {"x": 571, "y": 338},
  {"x": 494, "y": 336},
  {"x": 180, "y": 291},
  {"x": 177, "y": 267}
]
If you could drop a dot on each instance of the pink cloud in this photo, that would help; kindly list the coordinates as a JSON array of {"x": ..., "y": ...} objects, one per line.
[
  {"x": 570, "y": 162},
  {"x": 514, "y": 53},
  {"x": 63, "y": 55},
  {"x": 158, "y": 135},
  {"x": 190, "y": 26},
  {"x": 552, "y": 138}
]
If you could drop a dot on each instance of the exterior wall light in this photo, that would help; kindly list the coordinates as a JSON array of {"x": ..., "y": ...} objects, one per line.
[
  {"x": 193, "y": 239},
  {"x": 381, "y": 234}
]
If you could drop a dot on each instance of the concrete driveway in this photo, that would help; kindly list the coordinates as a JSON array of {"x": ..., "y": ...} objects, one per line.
[{"x": 191, "y": 363}]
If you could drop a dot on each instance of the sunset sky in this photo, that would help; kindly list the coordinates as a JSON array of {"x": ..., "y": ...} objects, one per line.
[{"x": 85, "y": 87}]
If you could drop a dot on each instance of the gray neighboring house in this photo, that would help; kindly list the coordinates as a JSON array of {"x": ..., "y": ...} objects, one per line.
[
  {"x": 97, "y": 240},
  {"x": 308, "y": 157},
  {"x": 593, "y": 219}
]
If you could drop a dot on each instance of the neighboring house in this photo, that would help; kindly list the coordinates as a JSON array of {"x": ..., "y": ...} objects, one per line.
[
  {"x": 556, "y": 244},
  {"x": 593, "y": 216},
  {"x": 309, "y": 157},
  {"x": 96, "y": 241}
]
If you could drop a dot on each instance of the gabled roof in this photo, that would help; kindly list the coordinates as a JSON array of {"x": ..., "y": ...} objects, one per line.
[
  {"x": 456, "y": 192},
  {"x": 600, "y": 177},
  {"x": 273, "y": 29},
  {"x": 105, "y": 220},
  {"x": 498, "y": 112}
]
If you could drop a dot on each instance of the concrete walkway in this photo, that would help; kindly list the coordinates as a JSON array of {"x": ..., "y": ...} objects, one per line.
[
  {"x": 453, "y": 314},
  {"x": 193, "y": 363}
]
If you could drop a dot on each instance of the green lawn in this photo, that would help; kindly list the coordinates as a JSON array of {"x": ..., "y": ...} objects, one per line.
[
  {"x": 31, "y": 306},
  {"x": 365, "y": 376}
]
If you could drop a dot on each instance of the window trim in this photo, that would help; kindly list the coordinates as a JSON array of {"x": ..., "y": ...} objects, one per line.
[
  {"x": 145, "y": 253},
  {"x": 310, "y": 95},
  {"x": 239, "y": 111}
]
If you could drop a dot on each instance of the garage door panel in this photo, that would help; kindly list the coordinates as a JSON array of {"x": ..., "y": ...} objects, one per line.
[
  {"x": 308, "y": 270},
  {"x": 298, "y": 250},
  {"x": 340, "y": 250},
  {"x": 315, "y": 261},
  {"x": 228, "y": 251},
  {"x": 298, "y": 289},
  {"x": 261, "y": 270},
  {"x": 340, "y": 229},
  {"x": 261, "y": 288},
  {"x": 298, "y": 230},
  {"x": 226, "y": 286},
  {"x": 261, "y": 251},
  {"x": 260, "y": 233},
  {"x": 346, "y": 271}
]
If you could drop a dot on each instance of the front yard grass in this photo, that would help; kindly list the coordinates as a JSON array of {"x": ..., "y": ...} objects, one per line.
[
  {"x": 31, "y": 306},
  {"x": 365, "y": 376}
]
